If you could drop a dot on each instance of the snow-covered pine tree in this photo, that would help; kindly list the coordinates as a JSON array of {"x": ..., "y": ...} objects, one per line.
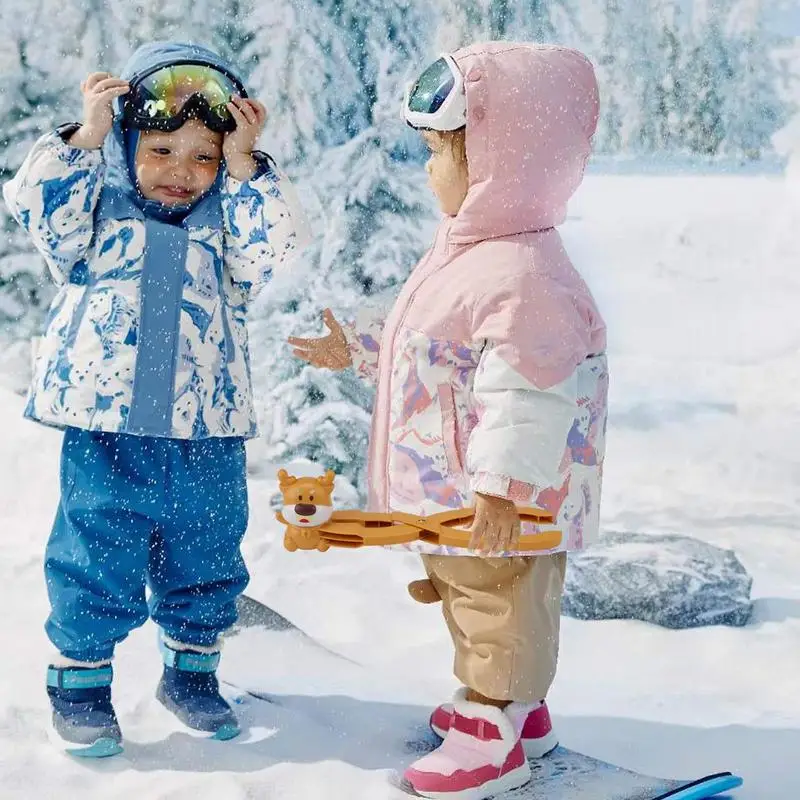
[
  {"x": 41, "y": 78},
  {"x": 152, "y": 20},
  {"x": 373, "y": 216},
  {"x": 533, "y": 21},
  {"x": 611, "y": 56},
  {"x": 305, "y": 413},
  {"x": 229, "y": 31},
  {"x": 709, "y": 75},
  {"x": 102, "y": 44},
  {"x": 643, "y": 22},
  {"x": 300, "y": 67},
  {"x": 754, "y": 110},
  {"x": 670, "y": 91}
]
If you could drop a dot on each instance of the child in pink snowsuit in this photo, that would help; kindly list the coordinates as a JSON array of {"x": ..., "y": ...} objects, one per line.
[{"x": 491, "y": 391}]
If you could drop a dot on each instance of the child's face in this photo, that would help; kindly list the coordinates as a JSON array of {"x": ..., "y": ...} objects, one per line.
[
  {"x": 447, "y": 172},
  {"x": 177, "y": 168}
]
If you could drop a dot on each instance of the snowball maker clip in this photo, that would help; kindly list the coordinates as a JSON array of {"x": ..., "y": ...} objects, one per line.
[{"x": 312, "y": 524}]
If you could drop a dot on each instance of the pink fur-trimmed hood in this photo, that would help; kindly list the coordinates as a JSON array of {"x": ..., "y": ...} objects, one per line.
[{"x": 531, "y": 113}]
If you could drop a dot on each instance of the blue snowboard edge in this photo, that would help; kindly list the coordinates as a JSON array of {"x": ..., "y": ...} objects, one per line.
[{"x": 710, "y": 786}]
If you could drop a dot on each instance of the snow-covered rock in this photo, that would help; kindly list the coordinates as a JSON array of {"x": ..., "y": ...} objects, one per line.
[{"x": 669, "y": 580}]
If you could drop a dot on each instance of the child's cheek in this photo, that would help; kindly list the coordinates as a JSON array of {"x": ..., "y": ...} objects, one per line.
[
  {"x": 144, "y": 175},
  {"x": 207, "y": 173}
]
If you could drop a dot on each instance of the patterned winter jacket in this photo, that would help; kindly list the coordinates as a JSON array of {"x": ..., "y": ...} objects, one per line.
[
  {"x": 491, "y": 369},
  {"x": 147, "y": 333}
]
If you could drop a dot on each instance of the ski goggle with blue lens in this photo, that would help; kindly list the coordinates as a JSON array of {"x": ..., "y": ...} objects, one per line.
[
  {"x": 166, "y": 97},
  {"x": 437, "y": 100}
]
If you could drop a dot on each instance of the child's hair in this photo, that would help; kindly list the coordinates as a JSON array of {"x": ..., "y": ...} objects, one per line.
[{"x": 457, "y": 142}]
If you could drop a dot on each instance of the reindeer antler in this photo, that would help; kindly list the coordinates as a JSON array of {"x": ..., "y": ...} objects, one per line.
[
  {"x": 328, "y": 478},
  {"x": 285, "y": 478}
]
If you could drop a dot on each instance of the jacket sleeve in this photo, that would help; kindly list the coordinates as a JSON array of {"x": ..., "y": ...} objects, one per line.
[
  {"x": 363, "y": 336},
  {"x": 265, "y": 226},
  {"x": 53, "y": 196},
  {"x": 526, "y": 387}
]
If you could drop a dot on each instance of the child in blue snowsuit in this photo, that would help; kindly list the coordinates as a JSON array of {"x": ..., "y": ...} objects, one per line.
[{"x": 158, "y": 223}]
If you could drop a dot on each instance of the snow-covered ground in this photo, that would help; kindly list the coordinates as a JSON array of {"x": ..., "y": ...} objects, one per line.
[{"x": 699, "y": 281}]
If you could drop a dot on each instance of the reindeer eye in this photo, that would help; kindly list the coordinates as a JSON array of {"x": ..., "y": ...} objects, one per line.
[
  {"x": 300, "y": 498},
  {"x": 311, "y": 499}
]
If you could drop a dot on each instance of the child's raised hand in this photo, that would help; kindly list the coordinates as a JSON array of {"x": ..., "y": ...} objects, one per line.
[
  {"x": 250, "y": 116},
  {"x": 329, "y": 351},
  {"x": 99, "y": 90},
  {"x": 496, "y": 527}
]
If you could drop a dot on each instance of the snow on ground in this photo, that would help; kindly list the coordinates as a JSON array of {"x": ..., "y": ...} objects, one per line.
[{"x": 698, "y": 280}]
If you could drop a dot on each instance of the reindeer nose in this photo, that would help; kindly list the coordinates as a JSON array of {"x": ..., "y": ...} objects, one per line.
[{"x": 305, "y": 510}]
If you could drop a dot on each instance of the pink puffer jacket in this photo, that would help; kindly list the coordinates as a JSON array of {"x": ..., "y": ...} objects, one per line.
[{"x": 491, "y": 371}]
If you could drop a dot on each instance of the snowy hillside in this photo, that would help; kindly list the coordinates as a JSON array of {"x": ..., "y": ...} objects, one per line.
[{"x": 699, "y": 283}]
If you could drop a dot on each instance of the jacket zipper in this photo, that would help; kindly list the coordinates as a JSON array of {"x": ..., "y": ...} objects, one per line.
[{"x": 388, "y": 415}]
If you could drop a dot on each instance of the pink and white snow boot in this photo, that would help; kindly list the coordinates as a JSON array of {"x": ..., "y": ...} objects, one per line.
[
  {"x": 538, "y": 736},
  {"x": 481, "y": 754}
]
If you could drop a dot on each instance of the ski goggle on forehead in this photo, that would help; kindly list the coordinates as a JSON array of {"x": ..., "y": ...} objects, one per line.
[
  {"x": 166, "y": 97},
  {"x": 437, "y": 100}
]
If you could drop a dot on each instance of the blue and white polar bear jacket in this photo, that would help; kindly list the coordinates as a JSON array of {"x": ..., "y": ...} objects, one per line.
[{"x": 147, "y": 334}]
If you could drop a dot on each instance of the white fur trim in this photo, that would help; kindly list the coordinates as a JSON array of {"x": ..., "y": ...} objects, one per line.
[
  {"x": 491, "y": 714},
  {"x": 460, "y": 695},
  {"x": 518, "y": 714},
  {"x": 174, "y": 644},
  {"x": 62, "y": 662}
]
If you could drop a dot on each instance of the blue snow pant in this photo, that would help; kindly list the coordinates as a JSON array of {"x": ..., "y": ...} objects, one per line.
[{"x": 137, "y": 511}]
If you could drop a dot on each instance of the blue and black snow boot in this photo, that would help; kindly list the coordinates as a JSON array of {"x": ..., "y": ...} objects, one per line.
[
  {"x": 190, "y": 690},
  {"x": 84, "y": 722}
]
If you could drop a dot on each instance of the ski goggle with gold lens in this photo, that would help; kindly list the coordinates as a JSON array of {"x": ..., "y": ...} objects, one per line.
[{"x": 166, "y": 97}]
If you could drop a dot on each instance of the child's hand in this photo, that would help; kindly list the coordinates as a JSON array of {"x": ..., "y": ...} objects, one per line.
[
  {"x": 329, "y": 351},
  {"x": 250, "y": 116},
  {"x": 496, "y": 527},
  {"x": 99, "y": 91}
]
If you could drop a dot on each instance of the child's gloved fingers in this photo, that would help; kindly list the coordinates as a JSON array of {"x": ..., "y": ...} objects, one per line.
[
  {"x": 296, "y": 340},
  {"x": 110, "y": 94},
  {"x": 317, "y": 357},
  {"x": 261, "y": 111},
  {"x": 251, "y": 110},
  {"x": 308, "y": 347},
  {"x": 108, "y": 83},
  {"x": 495, "y": 541},
  {"x": 247, "y": 111},
  {"x": 304, "y": 355},
  {"x": 313, "y": 348},
  {"x": 94, "y": 78},
  {"x": 237, "y": 115},
  {"x": 330, "y": 320},
  {"x": 243, "y": 114},
  {"x": 506, "y": 535},
  {"x": 478, "y": 531},
  {"x": 510, "y": 532}
]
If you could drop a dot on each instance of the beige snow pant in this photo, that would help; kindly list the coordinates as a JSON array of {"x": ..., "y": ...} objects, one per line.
[{"x": 503, "y": 615}]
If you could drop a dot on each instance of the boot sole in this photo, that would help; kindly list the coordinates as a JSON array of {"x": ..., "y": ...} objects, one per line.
[
  {"x": 225, "y": 732},
  {"x": 102, "y": 747},
  {"x": 511, "y": 780}
]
